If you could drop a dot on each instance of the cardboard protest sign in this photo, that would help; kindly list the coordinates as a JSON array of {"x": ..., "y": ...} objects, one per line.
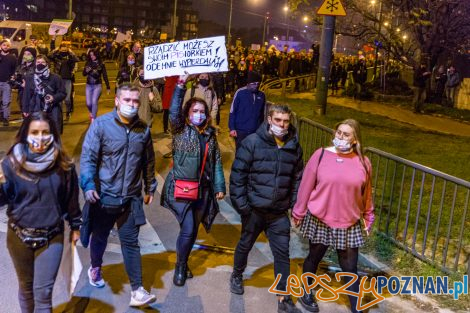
[
  {"x": 59, "y": 27},
  {"x": 121, "y": 37},
  {"x": 194, "y": 56}
]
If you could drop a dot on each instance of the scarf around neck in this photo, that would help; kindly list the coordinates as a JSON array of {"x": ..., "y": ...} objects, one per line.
[{"x": 34, "y": 162}]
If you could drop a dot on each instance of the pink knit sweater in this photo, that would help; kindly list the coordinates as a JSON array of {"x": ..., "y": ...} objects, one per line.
[{"x": 337, "y": 192}]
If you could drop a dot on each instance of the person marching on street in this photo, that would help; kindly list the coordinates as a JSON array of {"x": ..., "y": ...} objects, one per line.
[
  {"x": 117, "y": 159},
  {"x": 334, "y": 196},
  {"x": 196, "y": 181},
  {"x": 265, "y": 177},
  {"x": 39, "y": 183}
]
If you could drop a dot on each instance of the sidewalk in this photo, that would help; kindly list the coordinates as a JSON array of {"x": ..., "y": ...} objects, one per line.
[{"x": 434, "y": 123}]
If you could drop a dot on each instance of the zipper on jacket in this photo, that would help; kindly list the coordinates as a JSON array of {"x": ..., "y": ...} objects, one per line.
[
  {"x": 277, "y": 174},
  {"x": 128, "y": 130}
]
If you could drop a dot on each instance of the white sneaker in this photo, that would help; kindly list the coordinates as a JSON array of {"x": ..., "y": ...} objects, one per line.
[
  {"x": 95, "y": 278},
  {"x": 141, "y": 297}
]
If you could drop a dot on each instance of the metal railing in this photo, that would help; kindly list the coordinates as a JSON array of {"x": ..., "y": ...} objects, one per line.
[
  {"x": 421, "y": 210},
  {"x": 305, "y": 83}
]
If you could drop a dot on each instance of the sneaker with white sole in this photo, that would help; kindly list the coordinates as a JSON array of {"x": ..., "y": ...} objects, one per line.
[
  {"x": 95, "y": 278},
  {"x": 140, "y": 297}
]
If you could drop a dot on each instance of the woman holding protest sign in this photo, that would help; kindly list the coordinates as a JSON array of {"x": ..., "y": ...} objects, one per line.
[
  {"x": 39, "y": 183},
  {"x": 196, "y": 181},
  {"x": 334, "y": 195}
]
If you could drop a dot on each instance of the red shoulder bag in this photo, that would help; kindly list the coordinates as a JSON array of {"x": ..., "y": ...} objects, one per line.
[{"x": 189, "y": 190}]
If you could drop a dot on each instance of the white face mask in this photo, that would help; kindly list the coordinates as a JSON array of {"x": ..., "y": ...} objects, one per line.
[
  {"x": 342, "y": 145},
  {"x": 198, "y": 118},
  {"x": 37, "y": 141},
  {"x": 278, "y": 131},
  {"x": 128, "y": 111}
]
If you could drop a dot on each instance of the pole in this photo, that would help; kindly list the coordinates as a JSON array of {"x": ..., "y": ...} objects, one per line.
[
  {"x": 378, "y": 39},
  {"x": 229, "y": 35},
  {"x": 70, "y": 9},
  {"x": 264, "y": 30},
  {"x": 174, "y": 20},
  {"x": 323, "y": 75}
]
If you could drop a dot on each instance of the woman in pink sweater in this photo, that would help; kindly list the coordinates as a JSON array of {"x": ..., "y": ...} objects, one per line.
[{"x": 335, "y": 193}]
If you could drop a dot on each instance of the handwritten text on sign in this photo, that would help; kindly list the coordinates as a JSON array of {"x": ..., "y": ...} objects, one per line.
[{"x": 193, "y": 56}]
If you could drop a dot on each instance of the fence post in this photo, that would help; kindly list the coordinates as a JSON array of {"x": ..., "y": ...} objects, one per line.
[{"x": 283, "y": 90}]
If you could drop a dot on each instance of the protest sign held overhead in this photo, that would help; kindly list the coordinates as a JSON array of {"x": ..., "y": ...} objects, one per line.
[
  {"x": 59, "y": 27},
  {"x": 203, "y": 55}
]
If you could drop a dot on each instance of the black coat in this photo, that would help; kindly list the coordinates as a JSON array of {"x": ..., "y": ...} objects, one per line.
[{"x": 264, "y": 177}]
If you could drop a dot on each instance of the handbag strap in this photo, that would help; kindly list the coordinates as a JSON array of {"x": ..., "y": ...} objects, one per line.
[{"x": 204, "y": 161}]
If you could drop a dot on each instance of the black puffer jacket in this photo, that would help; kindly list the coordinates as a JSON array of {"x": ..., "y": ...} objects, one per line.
[{"x": 266, "y": 178}]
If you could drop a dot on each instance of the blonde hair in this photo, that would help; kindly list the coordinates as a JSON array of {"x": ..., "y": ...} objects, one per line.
[{"x": 356, "y": 132}]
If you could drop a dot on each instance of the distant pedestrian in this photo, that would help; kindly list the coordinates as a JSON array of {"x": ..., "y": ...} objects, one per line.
[
  {"x": 421, "y": 75},
  {"x": 95, "y": 72},
  {"x": 39, "y": 183},
  {"x": 248, "y": 109},
  {"x": 7, "y": 69},
  {"x": 452, "y": 84},
  {"x": 44, "y": 91},
  {"x": 149, "y": 97}
]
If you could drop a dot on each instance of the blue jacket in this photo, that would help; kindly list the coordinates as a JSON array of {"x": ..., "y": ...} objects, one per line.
[
  {"x": 118, "y": 157},
  {"x": 247, "y": 111}
]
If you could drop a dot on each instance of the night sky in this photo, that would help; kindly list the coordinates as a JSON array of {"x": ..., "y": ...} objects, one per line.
[{"x": 246, "y": 13}]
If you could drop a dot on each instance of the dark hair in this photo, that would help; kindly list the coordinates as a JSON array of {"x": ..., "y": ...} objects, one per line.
[
  {"x": 280, "y": 108},
  {"x": 95, "y": 53},
  {"x": 126, "y": 86},
  {"x": 187, "y": 106},
  {"x": 63, "y": 160},
  {"x": 44, "y": 57}
]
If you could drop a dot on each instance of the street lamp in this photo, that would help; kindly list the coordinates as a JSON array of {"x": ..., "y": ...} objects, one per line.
[
  {"x": 266, "y": 17},
  {"x": 286, "y": 21},
  {"x": 174, "y": 21},
  {"x": 229, "y": 35}
]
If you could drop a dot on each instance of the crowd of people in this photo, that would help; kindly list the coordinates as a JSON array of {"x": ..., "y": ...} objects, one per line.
[{"x": 268, "y": 186}]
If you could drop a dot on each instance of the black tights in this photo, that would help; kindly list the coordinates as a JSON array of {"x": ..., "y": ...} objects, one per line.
[{"x": 347, "y": 260}]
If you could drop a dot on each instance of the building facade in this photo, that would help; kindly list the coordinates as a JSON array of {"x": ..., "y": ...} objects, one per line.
[{"x": 144, "y": 18}]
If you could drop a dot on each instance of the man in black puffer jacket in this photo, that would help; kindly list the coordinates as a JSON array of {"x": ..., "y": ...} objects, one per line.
[{"x": 264, "y": 181}]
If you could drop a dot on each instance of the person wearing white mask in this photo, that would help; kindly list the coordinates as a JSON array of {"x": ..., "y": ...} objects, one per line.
[
  {"x": 197, "y": 162},
  {"x": 334, "y": 196},
  {"x": 117, "y": 159},
  {"x": 264, "y": 180},
  {"x": 39, "y": 184}
]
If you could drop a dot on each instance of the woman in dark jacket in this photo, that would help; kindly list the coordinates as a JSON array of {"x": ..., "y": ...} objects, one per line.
[
  {"x": 192, "y": 133},
  {"x": 44, "y": 91},
  {"x": 39, "y": 183},
  {"x": 94, "y": 70},
  {"x": 25, "y": 68},
  {"x": 128, "y": 72}
]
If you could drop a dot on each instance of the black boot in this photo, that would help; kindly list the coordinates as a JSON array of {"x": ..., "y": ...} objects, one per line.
[
  {"x": 189, "y": 274},
  {"x": 309, "y": 302},
  {"x": 179, "y": 278}
]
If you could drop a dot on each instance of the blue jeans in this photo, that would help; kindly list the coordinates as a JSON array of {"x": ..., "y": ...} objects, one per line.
[
  {"x": 101, "y": 225},
  {"x": 93, "y": 93},
  {"x": 36, "y": 270},
  {"x": 5, "y": 91}
]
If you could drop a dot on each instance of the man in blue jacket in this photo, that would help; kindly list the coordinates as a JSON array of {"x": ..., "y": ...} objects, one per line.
[
  {"x": 117, "y": 157},
  {"x": 248, "y": 109}
]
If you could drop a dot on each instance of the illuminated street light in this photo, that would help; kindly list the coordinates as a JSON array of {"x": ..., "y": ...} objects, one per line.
[
  {"x": 398, "y": 30},
  {"x": 386, "y": 24},
  {"x": 305, "y": 18},
  {"x": 286, "y": 8},
  {"x": 372, "y": 2},
  {"x": 404, "y": 37}
]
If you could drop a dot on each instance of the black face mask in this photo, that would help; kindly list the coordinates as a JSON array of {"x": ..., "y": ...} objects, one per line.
[
  {"x": 204, "y": 82},
  {"x": 143, "y": 80},
  {"x": 62, "y": 53},
  {"x": 40, "y": 67}
]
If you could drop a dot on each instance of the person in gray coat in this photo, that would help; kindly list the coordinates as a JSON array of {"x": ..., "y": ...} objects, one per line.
[
  {"x": 117, "y": 157},
  {"x": 150, "y": 99}
]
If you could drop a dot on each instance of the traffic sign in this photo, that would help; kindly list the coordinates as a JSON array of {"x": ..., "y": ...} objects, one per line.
[{"x": 332, "y": 7}]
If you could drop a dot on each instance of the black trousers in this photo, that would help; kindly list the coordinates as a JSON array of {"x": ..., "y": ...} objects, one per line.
[{"x": 278, "y": 233}]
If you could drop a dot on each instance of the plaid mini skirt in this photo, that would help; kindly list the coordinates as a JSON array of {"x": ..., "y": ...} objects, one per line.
[{"x": 340, "y": 238}]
